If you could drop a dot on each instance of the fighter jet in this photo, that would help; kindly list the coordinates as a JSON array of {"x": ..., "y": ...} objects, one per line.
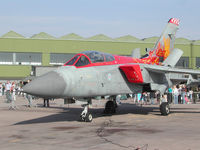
[{"x": 91, "y": 73}]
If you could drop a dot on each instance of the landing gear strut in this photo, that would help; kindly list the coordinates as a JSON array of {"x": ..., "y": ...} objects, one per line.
[
  {"x": 165, "y": 109},
  {"x": 85, "y": 115},
  {"x": 110, "y": 107}
]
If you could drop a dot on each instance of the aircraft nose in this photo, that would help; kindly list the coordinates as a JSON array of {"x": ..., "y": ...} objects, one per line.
[{"x": 50, "y": 85}]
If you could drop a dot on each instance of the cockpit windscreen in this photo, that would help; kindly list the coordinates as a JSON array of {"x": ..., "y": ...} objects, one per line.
[
  {"x": 95, "y": 56},
  {"x": 73, "y": 60}
]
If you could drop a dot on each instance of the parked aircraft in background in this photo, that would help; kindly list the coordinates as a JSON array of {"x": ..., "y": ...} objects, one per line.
[{"x": 91, "y": 73}]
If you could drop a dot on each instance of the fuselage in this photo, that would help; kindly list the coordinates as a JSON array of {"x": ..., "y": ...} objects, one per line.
[{"x": 85, "y": 80}]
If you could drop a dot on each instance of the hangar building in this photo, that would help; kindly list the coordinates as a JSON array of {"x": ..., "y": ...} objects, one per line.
[{"x": 19, "y": 55}]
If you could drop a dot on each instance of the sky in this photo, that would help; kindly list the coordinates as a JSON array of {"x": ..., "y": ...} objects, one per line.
[{"x": 114, "y": 18}]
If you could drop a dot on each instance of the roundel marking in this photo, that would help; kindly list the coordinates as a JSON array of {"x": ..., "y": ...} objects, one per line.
[{"x": 109, "y": 76}]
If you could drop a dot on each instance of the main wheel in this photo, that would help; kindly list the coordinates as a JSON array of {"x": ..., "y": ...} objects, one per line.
[
  {"x": 164, "y": 109},
  {"x": 82, "y": 118},
  {"x": 88, "y": 117},
  {"x": 110, "y": 108}
]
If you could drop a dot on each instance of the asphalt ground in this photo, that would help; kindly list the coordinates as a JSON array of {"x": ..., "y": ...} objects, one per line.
[{"x": 133, "y": 127}]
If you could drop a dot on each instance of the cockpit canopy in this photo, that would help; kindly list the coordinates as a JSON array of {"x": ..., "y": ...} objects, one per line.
[
  {"x": 90, "y": 57},
  {"x": 95, "y": 56}
]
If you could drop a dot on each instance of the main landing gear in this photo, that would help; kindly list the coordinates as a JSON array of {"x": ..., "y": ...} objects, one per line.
[
  {"x": 85, "y": 115},
  {"x": 111, "y": 105},
  {"x": 165, "y": 109}
]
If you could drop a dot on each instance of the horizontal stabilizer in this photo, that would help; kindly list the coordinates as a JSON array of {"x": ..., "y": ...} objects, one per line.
[
  {"x": 173, "y": 58},
  {"x": 191, "y": 81},
  {"x": 136, "y": 53}
]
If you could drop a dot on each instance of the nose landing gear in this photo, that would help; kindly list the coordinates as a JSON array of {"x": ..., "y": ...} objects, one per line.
[{"x": 85, "y": 115}]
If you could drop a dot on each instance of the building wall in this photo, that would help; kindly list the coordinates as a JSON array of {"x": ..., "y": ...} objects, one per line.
[
  {"x": 195, "y": 52},
  {"x": 46, "y": 47},
  {"x": 14, "y": 72}
]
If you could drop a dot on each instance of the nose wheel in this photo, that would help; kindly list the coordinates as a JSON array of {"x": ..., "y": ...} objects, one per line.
[{"x": 85, "y": 115}]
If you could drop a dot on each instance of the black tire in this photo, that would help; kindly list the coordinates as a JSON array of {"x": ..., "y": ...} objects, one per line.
[
  {"x": 110, "y": 108},
  {"x": 164, "y": 109},
  {"x": 82, "y": 118},
  {"x": 89, "y": 117}
]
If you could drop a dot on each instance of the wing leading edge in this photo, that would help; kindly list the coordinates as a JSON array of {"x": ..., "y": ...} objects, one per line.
[{"x": 159, "y": 77}]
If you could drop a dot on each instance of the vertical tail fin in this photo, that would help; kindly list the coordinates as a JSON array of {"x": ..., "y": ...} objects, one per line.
[
  {"x": 165, "y": 44},
  {"x": 136, "y": 53}
]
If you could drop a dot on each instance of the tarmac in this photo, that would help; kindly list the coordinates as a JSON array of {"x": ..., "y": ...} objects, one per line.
[{"x": 133, "y": 127}]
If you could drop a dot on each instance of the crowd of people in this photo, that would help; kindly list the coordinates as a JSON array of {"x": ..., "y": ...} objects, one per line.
[
  {"x": 11, "y": 89},
  {"x": 178, "y": 94}
]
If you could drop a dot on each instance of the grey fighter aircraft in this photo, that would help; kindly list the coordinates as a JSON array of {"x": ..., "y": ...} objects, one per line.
[{"x": 91, "y": 73}]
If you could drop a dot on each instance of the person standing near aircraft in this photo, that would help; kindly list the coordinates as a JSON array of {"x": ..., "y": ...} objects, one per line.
[
  {"x": 46, "y": 102},
  {"x": 13, "y": 95},
  {"x": 180, "y": 100},
  {"x": 175, "y": 94},
  {"x": 183, "y": 93},
  {"x": 1, "y": 89},
  {"x": 152, "y": 97},
  {"x": 8, "y": 88},
  {"x": 169, "y": 95},
  {"x": 190, "y": 95}
]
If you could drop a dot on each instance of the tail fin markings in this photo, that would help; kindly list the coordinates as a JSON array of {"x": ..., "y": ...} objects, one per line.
[{"x": 165, "y": 43}]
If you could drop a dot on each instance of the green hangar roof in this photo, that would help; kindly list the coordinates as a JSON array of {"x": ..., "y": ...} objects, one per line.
[
  {"x": 99, "y": 37},
  {"x": 42, "y": 35},
  {"x": 71, "y": 36},
  {"x": 12, "y": 34}
]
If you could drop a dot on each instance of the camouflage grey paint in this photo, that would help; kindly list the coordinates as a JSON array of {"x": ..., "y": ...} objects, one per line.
[
  {"x": 82, "y": 83},
  {"x": 69, "y": 81},
  {"x": 173, "y": 57},
  {"x": 48, "y": 85},
  {"x": 162, "y": 77}
]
